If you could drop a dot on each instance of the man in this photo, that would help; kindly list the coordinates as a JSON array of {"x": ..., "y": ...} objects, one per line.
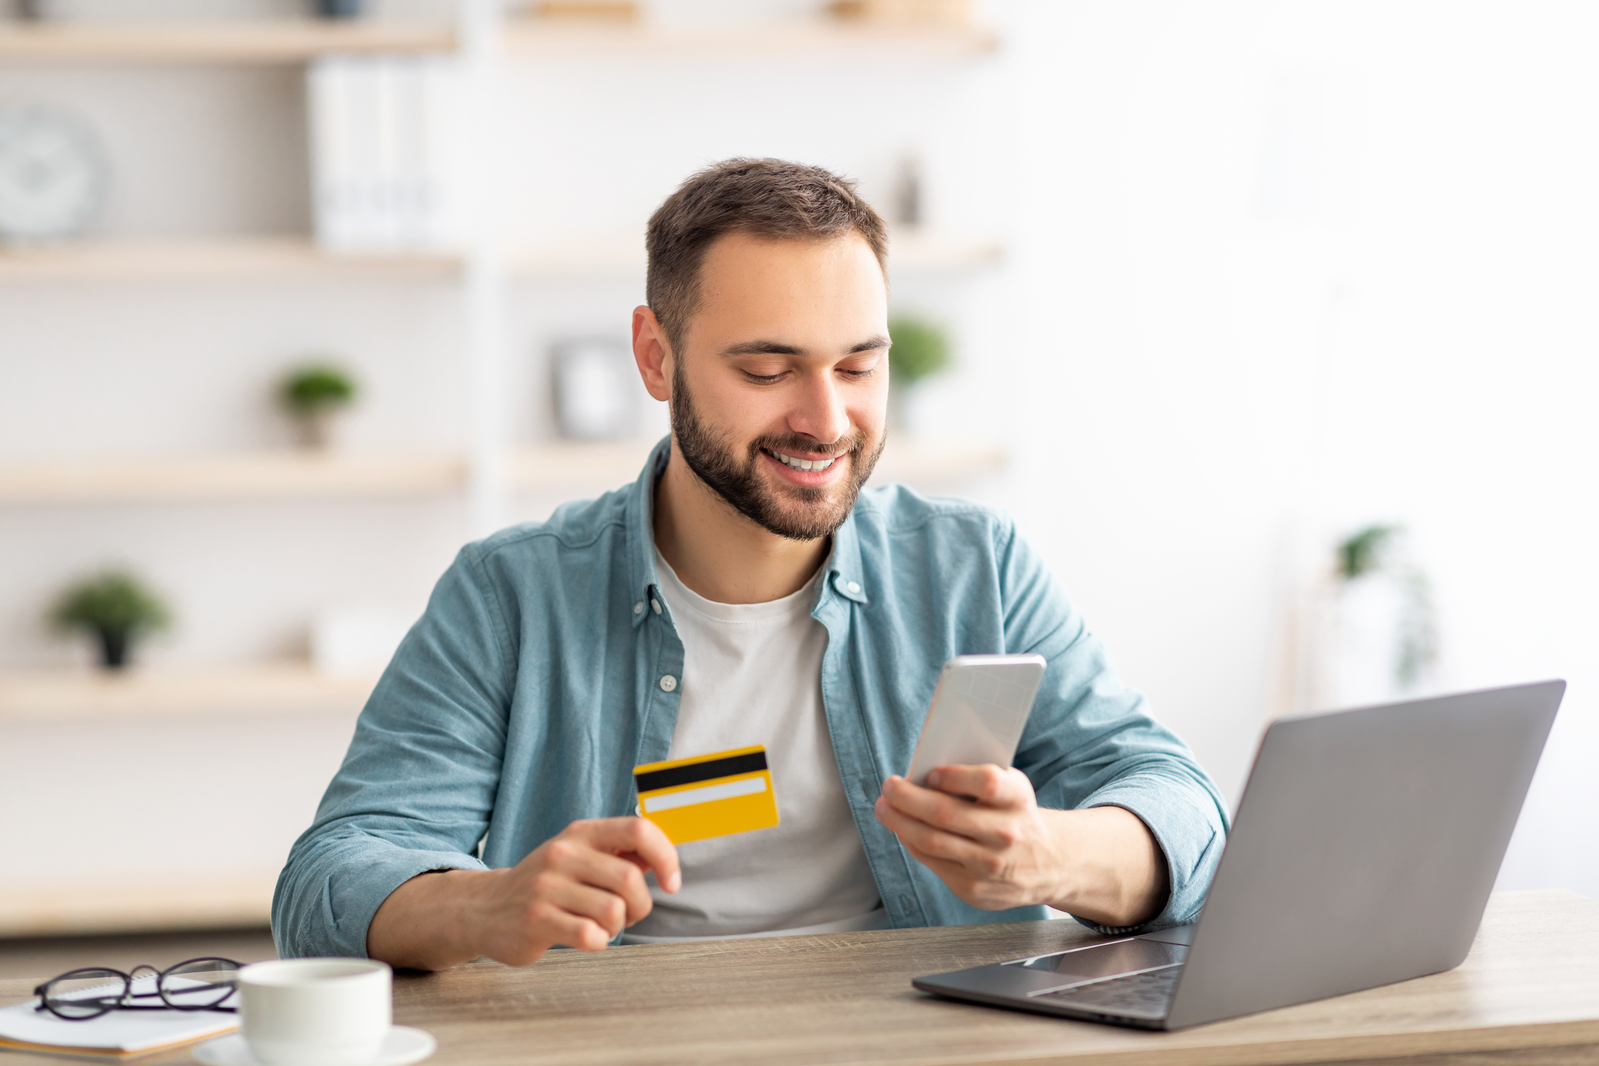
[{"x": 744, "y": 591}]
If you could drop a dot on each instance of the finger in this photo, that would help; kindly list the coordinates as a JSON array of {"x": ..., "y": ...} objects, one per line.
[
  {"x": 604, "y": 909},
  {"x": 638, "y": 837},
  {"x": 953, "y": 814},
  {"x": 620, "y": 875},
  {"x": 951, "y": 873},
  {"x": 991, "y": 785},
  {"x": 556, "y": 925},
  {"x": 918, "y": 804},
  {"x": 930, "y": 839}
]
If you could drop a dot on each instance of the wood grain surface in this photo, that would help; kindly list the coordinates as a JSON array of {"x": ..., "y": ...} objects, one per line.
[{"x": 1528, "y": 993}]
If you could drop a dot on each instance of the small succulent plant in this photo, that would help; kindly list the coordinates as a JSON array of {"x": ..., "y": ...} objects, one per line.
[
  {"x": 313, "y": 395},
  {"x": 115, "y": 607}
]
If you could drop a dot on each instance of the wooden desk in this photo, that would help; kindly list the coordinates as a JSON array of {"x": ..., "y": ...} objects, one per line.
[{"x": 1528, "y": 993}]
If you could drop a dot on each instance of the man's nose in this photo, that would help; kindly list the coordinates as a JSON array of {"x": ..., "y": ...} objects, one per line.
[{"x": 819, "y": 411}]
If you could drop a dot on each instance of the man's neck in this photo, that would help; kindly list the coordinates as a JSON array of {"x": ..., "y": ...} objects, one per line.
[{"x": 717, "y": 552}]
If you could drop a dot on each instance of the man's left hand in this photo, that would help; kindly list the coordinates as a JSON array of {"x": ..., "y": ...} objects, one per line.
[{"x": 980, "y": 829}]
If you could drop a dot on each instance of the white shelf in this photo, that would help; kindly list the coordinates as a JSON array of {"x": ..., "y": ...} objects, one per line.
[
  {"x": 298, "y": 41},
  {"x": 927, "y": 251},
  {"x": 57, "y": 695},
  {"x": 130, "y": 904},
  {"x": 244, "y": 476},
  {"x": 297, "y": 474},
  {"x": 251, "y": 257},
  {"x": 910, "y": 251},
  {"x": 228, "y": 257},
  {"x": 222, "y": 41},
  {"x": 946, "y": 463},
  {"x": 585, "y": 468},
  {"x": 530, "y": 39}
]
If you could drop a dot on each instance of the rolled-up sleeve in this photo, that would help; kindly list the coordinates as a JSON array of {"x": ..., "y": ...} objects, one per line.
[
  {"x": 1091, "y": 741},
  {"x": 418, "y": 783}
]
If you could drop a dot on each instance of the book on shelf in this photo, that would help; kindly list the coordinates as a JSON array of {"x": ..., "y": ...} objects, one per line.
[{"x": 384, "y": 157}]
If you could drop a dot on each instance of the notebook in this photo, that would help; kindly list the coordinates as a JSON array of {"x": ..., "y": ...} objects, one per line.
[{"x": 113, "y": 1037}]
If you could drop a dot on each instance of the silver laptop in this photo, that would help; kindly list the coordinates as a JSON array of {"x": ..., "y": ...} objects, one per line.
[{"x": 1363, "y": 853}]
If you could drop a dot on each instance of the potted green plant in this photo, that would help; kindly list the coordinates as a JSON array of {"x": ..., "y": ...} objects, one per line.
[
  {"x": 1374, "y": 555},
  {"x": 919, "y": 349},
  {"x": 314, "y": 395},
  {"x": 116, "y": 608}
]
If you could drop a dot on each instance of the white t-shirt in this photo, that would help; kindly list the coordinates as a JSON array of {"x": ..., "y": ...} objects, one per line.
[{"x": 752, "y": 674}]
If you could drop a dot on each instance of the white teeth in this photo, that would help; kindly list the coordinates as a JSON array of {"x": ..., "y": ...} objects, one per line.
[{"x": 803, "y": 464}]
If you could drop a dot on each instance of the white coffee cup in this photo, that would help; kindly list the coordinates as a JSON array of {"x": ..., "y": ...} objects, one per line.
[{"x": 316, "y": 1012}]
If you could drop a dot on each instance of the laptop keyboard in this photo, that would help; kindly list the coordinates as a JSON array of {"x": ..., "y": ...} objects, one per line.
[{"x": 1139, "y": 993}]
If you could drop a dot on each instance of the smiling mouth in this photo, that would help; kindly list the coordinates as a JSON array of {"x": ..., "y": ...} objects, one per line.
[{"x": 806, "y": 465}]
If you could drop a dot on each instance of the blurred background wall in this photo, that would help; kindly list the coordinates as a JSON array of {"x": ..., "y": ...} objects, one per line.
[
  {"x": 1269, "y": 274},
  {"x": 1291, "y": 269}
]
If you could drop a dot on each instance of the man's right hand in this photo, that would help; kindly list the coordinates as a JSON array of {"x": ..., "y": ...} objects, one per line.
[{"x": 579, "y": 888}]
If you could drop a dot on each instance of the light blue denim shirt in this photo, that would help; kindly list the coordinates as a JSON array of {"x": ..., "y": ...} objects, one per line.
[{"x": 546, "y": 665}]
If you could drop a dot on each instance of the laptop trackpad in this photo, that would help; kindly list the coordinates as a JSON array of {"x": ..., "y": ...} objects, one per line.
[{"x": 1107, "y": 960}]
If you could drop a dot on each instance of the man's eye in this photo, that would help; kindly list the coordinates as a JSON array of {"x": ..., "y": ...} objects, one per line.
[
  {"x": 859, "y": 370},
  {"x": 763, "y": 379}
]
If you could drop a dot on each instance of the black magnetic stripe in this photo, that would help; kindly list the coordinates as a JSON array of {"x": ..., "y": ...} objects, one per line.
[{"x": 700, "y": 771}]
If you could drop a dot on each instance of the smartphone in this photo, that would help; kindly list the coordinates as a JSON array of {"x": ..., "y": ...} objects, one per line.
[{"x": 978, "y": 712}]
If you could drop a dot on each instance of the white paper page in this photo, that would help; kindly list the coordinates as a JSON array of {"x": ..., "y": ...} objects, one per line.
[{"x": 120, "y": 1030}]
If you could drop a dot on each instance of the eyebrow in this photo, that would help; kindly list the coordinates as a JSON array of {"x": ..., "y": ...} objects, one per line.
[{"x": 775, "y": 348}]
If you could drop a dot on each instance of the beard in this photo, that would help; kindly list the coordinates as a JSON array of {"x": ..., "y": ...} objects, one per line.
[{"x": 797, "y": 512}]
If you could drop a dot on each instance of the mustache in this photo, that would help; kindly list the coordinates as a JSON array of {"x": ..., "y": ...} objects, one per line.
[{"x": 852, "y": 443}]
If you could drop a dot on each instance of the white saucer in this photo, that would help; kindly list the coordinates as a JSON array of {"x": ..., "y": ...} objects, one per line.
[{"x": 401, "y": 1047}]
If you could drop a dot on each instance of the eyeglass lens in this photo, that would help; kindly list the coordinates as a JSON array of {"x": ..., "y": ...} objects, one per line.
[
  {"x": 198, "y": 984},
  {"x": 86, "y": 993}
]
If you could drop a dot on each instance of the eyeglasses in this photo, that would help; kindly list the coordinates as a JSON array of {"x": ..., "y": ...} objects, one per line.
[{"x": 195, "y": 984}]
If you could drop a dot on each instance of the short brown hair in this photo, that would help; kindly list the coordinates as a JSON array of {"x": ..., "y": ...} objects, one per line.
[{"x": 762, "y": 197}]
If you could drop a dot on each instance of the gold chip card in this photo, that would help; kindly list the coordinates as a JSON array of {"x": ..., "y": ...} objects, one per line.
[{"x": 708, "y": 795}]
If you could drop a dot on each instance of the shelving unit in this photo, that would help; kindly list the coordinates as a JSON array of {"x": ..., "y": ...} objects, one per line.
[
  {"x": 244, "y": 476},
  {"x": 488, "y": 470},
  {"x": 911, "y": 252},
  {"x": 484, "y": 42},
  {"x": 220, "y": 41},
  {"x": 248, "y": 257},
  {"x": 534, "y": 39},
  {"x": 299, "y": 41},
  {"x": 278, "y": 688},
  {"x": 221, "y": 258},
  {"x": 137, "y": 905},
  {"x": 182, "y": 702},
  {"x": 339, "y": 475}
]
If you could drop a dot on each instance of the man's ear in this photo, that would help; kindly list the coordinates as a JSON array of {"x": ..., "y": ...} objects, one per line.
[{"x": 653, "y": 353}]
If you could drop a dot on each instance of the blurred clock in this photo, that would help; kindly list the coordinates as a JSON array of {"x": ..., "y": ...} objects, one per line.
[{"x": 53, "y": 174}]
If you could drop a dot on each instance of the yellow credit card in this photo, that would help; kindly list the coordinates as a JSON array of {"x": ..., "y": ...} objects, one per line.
[{"x": 708, "y": 795}]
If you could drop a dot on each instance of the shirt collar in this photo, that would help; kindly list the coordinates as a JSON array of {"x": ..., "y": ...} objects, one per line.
[
  {"x": 845, "y": 574},
  {"x": 642, "y": 578}
]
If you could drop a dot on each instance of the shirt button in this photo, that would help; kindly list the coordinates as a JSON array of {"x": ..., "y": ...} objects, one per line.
[
  {"x": 854, "y": 586},
  {"x": 668, "y": 682},
  {"x": 657, "y": 605},
  {"x": 638, "y": 608}
]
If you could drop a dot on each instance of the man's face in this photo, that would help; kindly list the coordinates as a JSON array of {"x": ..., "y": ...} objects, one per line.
[{"x": 780, "y": 392}]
